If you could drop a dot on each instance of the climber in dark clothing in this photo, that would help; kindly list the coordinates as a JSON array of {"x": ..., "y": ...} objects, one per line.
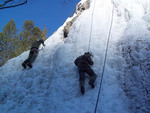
[
  {"x": 83, "y": 63},
  {"x": 33, "y": 53}
]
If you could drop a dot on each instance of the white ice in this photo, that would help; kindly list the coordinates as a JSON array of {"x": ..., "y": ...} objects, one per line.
[{"x": 52, "y": 85}]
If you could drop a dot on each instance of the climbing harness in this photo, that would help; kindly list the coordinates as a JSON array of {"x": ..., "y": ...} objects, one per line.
[
  {"x": 105, "y": 59},
  {"x": 12, "y": 88}
]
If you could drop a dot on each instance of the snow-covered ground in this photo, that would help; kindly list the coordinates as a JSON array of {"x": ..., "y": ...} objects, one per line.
[{"x": 52, "y": 85}]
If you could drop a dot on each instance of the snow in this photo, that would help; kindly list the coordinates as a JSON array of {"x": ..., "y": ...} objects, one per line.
[{"x": 52, "y": 85}]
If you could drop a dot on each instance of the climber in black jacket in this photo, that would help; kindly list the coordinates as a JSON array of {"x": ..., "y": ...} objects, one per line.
[{"x": 83, "y": 63}]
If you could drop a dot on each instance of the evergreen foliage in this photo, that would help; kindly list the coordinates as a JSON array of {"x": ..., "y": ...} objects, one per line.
[
  {"x": 7, "y": 36},
  {"x": 44, "y": 33},
  {"x": 12, "y": 44}
]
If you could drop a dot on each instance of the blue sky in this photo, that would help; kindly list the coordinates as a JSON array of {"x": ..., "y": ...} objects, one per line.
[{"x": 50, "y": 13}]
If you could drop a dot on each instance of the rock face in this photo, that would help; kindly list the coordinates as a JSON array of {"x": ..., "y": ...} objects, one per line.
[
  {"x": 79, "y": 9},
  {"x": 82, "y": 6}
]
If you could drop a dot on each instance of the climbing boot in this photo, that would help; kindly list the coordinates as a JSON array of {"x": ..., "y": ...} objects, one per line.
[
  {"x": 82, "y": 90},
  {"x": 92, "y": 80},
  {"x": 92, "y": 84},
  {"x": 24, "y": 65},
  {"x": 29, "y": 64}
]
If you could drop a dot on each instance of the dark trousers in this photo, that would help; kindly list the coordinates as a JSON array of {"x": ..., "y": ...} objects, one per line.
[
  {"x": 90, "y": 72},
  {"x": 32, "y": 56}
]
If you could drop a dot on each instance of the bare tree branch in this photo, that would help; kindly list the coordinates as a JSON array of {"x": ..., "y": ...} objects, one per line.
[
  {"x": 3, "y": 6},
  {"x": 5, "y": 3}
]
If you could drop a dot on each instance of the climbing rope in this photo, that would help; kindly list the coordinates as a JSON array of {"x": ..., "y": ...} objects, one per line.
[
  {"x": 91, "y": 29},
  {"x": 104, "y": 60},
  {"x": 12, "y": 88}
]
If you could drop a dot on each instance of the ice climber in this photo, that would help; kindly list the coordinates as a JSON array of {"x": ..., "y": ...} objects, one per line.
[
  {"x": 83, "y": 63},
  {"x": 33, "y": 53}
]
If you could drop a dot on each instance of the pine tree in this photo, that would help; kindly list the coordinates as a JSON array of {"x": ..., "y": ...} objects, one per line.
[
  {"x": 16, "y": 47},
  {"x": 36, "y": 34},
  {"x": 26, "y": 33},
  {"x": 44, "y": 33},
  {"x": 19, "y": 46},
  {"x": 1, "y": 49},
  {"x": 9, "y": 33},
  {"x": 30, "y": 33},
  {"x": 12, "y": 45}
]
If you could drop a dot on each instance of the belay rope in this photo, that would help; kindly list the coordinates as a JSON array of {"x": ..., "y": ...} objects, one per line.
[
  {"x": 104, "y": 60},
  {"x": 12, "y": 88},
  {"x": 91, "y": 29}
]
